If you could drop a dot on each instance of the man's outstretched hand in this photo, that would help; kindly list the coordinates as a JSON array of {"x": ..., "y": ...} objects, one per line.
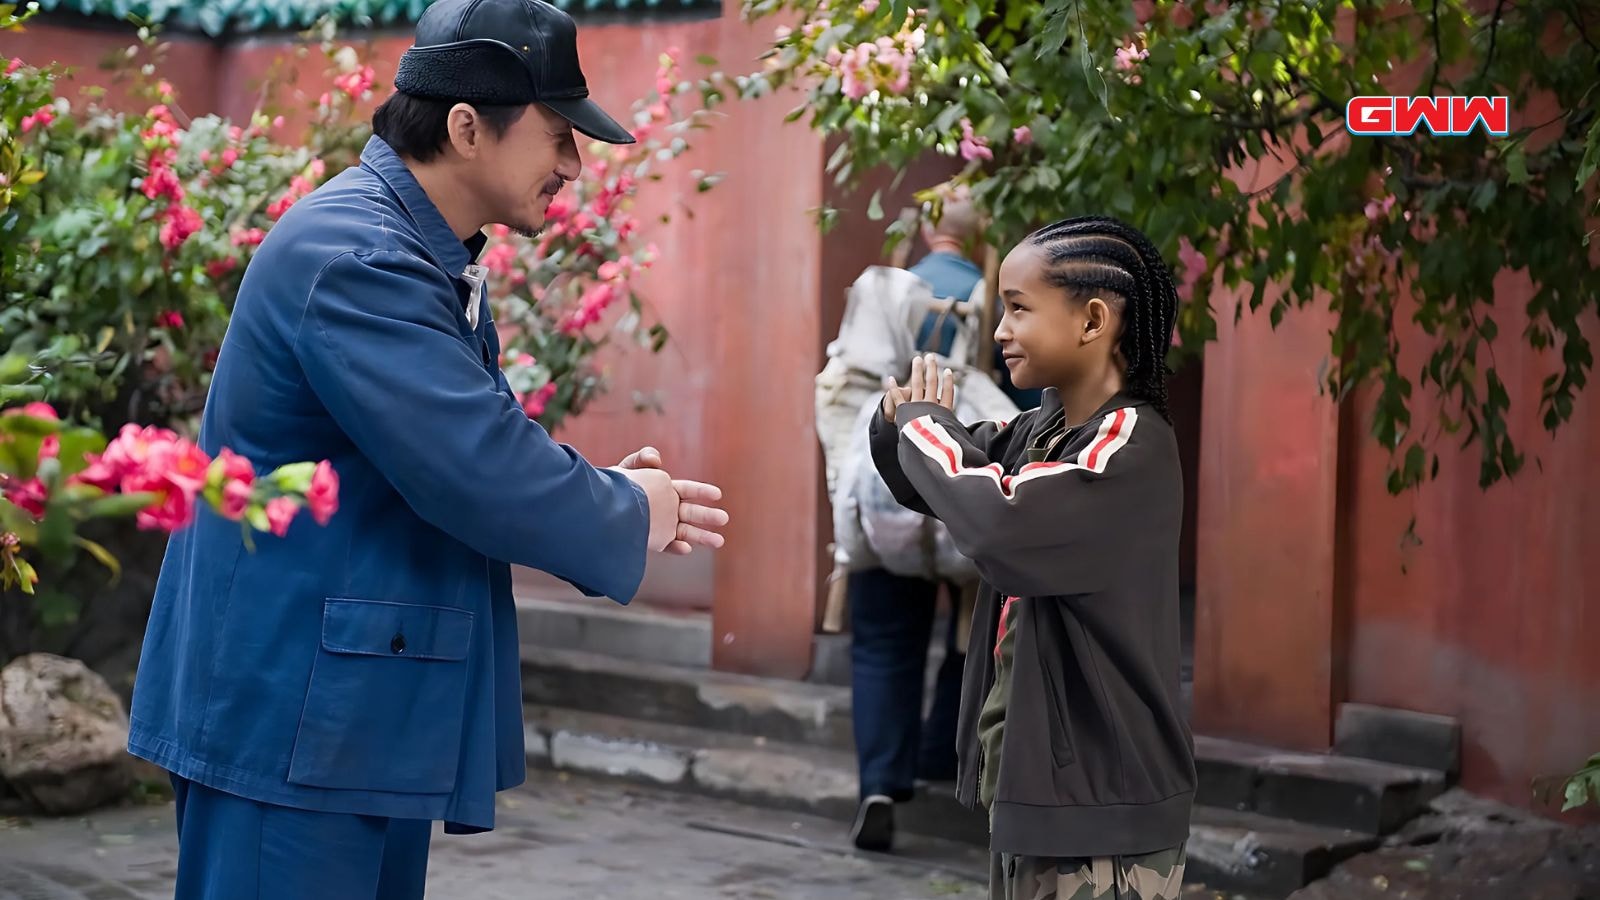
[{"x": 697, "y": 522}]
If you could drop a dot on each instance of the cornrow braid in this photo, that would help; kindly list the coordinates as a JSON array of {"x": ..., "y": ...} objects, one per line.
[{"x": 1099, "y": 253}]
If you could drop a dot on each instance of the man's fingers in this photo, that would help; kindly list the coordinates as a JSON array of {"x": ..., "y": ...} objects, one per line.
[
  {"x": 697, "y": 491},
  {"x": 703, "y": 516},
  {"x": 698, "y": 537},
  {"x": 643, "y": 458},
  {"x": 679, "y": 548}
]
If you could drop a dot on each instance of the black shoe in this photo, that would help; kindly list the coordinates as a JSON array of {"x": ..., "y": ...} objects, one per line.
[{"x": 874, "y": 827}]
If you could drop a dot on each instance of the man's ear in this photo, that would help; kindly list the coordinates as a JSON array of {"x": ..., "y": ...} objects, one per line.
[{"x": 465, "y": 129}]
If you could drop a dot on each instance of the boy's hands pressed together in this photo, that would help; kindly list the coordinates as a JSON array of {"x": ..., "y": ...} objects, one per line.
[{"x": 926, "y": 384}]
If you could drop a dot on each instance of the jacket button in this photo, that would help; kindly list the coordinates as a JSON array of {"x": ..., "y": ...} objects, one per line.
[{"x": 398, "y": 644}]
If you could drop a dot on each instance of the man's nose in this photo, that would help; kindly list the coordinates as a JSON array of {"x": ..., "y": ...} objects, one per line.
[{"x": 570, "y": 165}]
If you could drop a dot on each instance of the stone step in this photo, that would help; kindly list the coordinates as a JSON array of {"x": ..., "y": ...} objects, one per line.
[
  {"x": 1320, "y": 789},
  {"x": 638, "y": 632},
  {"x": 1360, "y": 795},
  {"x": 1242, "y": 852},
  {"x": 777, "y": 709},
  {"x": 1229, "y": 851}
]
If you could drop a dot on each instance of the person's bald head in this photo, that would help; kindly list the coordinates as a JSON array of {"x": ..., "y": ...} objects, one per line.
[{"x": 954, "y": 219}]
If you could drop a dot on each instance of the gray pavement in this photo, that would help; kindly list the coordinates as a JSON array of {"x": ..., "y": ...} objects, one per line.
[{"x": 558, "y": 837}]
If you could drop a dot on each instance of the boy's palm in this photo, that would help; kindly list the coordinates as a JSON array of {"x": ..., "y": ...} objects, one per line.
[{"x": 926, "y": 384}]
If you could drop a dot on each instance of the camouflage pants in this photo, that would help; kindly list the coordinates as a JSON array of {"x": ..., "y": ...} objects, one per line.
[{"x": 1150, "y": 876}]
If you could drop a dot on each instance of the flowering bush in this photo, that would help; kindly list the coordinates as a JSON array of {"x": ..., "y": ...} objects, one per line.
[
  {"x": 1156, "y": 111},
  {"x": 54, "y": 477},
  {"x": 125, "y": 236},
  {"x": 555, "y": 295}
]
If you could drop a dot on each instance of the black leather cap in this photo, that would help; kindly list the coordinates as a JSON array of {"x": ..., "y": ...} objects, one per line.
[{"x": 504, "y": 52}]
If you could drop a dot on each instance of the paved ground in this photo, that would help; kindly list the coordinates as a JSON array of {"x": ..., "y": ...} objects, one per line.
[{"x": 557, "y": 838}]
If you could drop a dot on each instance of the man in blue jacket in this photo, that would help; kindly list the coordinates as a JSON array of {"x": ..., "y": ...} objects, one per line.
[{"x": 322, "y": 698}]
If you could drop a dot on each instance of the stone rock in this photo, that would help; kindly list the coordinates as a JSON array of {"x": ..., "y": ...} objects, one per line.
[{"x": 63, "y": 736}]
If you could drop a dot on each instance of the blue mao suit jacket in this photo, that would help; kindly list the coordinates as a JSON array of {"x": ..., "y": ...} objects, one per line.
[{"x": 370, "y": 666}]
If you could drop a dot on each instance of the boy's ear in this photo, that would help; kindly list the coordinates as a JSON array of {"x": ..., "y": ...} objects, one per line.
[{"x": 1098, "y": 320}]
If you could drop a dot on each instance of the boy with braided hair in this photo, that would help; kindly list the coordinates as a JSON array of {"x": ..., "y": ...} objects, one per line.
[{"x": 1072, "y": 733}]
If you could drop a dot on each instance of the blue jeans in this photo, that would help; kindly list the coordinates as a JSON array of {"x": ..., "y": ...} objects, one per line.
[
  {"x": 891, "y": 623},
  {"x": 230, "y": 848}
]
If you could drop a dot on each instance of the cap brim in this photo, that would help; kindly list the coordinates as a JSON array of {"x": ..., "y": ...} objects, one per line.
[{"x": 587, "y": 116}]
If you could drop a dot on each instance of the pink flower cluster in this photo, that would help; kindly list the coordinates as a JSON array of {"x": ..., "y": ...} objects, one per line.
[
  {"x": 882, "y": 65},
  {"x": 534, "y": 403},
  {"x": 299, "y": 186},
  {"x": 15, "y": 64},
  {"x": 40, "y": 118},
  {"x": 975, "y": 146},
  {"x": 162, "y": 138},
  {"x": 1194, "y": 269},
  {"x": 1128, "y": 59},
  {"x": 356, "y": 84},
  {"x": 146, "y": 459}
]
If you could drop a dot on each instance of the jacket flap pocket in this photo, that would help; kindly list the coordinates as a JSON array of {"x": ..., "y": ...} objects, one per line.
[{"x": 376, "y": 628}]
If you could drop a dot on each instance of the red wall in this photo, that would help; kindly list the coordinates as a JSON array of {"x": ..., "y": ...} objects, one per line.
[{"x": 1495, "y": 617}]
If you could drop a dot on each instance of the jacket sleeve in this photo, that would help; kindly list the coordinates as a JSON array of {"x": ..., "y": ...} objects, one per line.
[
  {"x": 379, "y": 344},
  {"x": 1052, "y": 528},
  {"x": 885, "y": 443}
]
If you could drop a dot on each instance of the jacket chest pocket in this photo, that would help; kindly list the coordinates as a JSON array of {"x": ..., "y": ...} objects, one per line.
[{"x": 387, "y": 699}]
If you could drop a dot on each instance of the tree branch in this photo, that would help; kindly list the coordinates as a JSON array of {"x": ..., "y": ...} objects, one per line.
[
  {"x": 1494, "y": 33},
  {"x": 1438, "y": 51}
]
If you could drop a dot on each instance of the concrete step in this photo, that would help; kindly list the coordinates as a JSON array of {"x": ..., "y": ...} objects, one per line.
[
  {"x": 776, "y": 709},
  {"x": 1342, "y": 792},
  {"x": 638, "y": 632},
  {"x": 1240, "y": 853}
]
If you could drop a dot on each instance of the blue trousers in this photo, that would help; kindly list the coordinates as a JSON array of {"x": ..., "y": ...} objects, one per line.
[
  {"x": 230, "y": 848},
  {"x": 891, "y": 623}
]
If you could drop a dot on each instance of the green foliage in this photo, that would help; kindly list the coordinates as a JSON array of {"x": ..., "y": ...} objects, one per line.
[
  {"x": 217, "y": 17},
  {"x": 1218, "y": 129}
]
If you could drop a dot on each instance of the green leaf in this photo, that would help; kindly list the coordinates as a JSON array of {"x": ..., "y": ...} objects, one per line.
[
  {"x": 1591, "y": 155},
  {"x": 1517, "y": 167},
  {"x": 118, "y": 506},
  {"x": 104, "y": 556},
  {"x": 875, "y": 207},
  {"x": 294, "y": 478}
]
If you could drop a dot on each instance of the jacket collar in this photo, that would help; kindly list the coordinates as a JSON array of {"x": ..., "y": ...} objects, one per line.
[{"x": 451, "y": 254}]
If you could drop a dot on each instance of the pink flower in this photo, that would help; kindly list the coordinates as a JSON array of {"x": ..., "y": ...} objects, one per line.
[
  {"x": 869, "y": 6},
  {"x": 219, "y": 268},
  {"x": 664, "y": 84},
  {"x": 659, "y": 111},
  {"x": 557, "y": 211},
  {"x": 1375, "y": 210},
  {"x": 235, "y": 134},
  {"x": 278, "y": 207},
  {"x": 235, "y": 500},
  {"x": 1022, "y": 135},
  {"x": 1128, "y": 59},
  {"x": 1194, "y": 268},
  {"x": 37, "y": 409},
  {"x": 280, "y": 514},
  {"x": 609, "y": 270},
  {"x": 249, "y": 237},
  {"x": 500, "y": 259},
  {"x": 534, "y": 404},
  {"x": 973, "y": 146},
  {"x": 162, "y": 182},
  {"x": 170, "y": 319},
  {"x": 50, "y": 447},
  {"x": 234, "y": 467},
  {"x": 182, "y": 223},
  {"x": 229, "y": 157},
  {"x": 323, "y": 498},
  {"x": 277, "y": 122},
  {"x": 42, "y": 118},
  {"x": 15, "y": 64},
  {"x": 356, "y": 83},
  {"x": 627, "y": 227},
  {"x": 29, "y": 496},
  {"x": 164, "y": 88}
]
